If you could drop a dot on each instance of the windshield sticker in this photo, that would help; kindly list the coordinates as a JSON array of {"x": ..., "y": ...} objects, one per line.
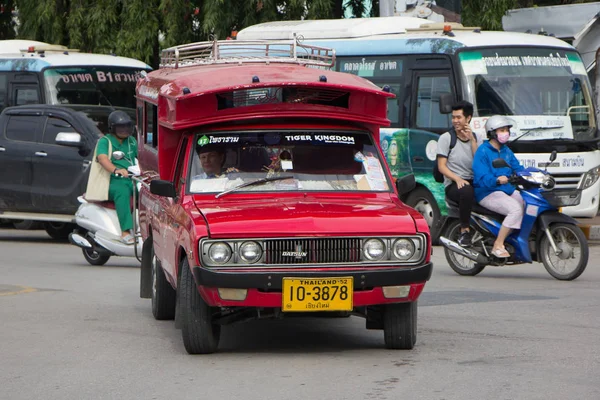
[
  {"x": 204, "y": 140},
  {"x": 472, "y": 63},
  {"x": 334, "y": 139},
  {"x": 370, "y": 67},
  {"x": 359, "y": 157},
  {"x": 576, "y": 64},
  {"x": 532, "y": 127}
]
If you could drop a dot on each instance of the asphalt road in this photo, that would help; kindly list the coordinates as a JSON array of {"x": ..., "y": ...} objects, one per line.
[{"x": 73, "y": 331}]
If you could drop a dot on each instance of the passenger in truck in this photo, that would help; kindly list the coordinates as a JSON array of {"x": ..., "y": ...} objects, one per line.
[{"x": 212, "y": 161}]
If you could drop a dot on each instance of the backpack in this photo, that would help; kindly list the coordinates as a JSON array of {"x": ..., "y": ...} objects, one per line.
[{"x": 437, "y": 175}]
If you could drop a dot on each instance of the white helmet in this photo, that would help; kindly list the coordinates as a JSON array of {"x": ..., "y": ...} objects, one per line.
[{"x": 494, "y": 122}]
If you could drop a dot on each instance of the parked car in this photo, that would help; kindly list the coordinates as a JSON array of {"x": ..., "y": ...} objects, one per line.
[{"x": 45, "y": 155}]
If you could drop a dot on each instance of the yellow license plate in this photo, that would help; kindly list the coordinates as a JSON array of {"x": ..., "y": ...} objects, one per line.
[{"x": 322, "y": 294}]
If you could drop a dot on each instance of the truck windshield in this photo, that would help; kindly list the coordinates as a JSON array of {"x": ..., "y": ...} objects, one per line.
[
  {"x": 540, "y": 86},
  {"x": 333, "y": 161},
  {"x": 88, "y": 85}
]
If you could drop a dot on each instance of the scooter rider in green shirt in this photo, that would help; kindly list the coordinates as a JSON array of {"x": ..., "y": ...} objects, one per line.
[{"x": 120, "y": 191}]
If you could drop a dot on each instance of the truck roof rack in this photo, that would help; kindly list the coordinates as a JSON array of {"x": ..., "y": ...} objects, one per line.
[{"x": 247, "y": 51}]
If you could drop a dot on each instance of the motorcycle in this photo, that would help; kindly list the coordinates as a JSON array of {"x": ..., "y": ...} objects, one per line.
[
  {"x": 546, "y": 235},
  {"x": 98, "y": 231}
]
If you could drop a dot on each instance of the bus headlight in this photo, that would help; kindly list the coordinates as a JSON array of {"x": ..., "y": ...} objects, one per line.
[
  {"x": 374, "y": 249},
  {"x": 219, "y": 253},
  {"x": 250, "y": 252},
  {"x": 590, "y": 177},
  {"x": 403, "y": 249}
]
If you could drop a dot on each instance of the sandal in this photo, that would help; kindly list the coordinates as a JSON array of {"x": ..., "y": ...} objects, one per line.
[
  {"x": 500, "y": 253},
  {"x": 128, "y": 239}
]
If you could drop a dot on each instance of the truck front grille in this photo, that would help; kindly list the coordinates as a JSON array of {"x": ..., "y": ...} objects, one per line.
[{"x": 312, "y": 251}]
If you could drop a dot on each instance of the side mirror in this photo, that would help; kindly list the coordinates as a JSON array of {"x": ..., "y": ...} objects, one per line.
[
  {"x": 500, "y": 163},
  {"x": 118, "y": 155},
  {"x": 163, "y": 188},
  {"x": 446, "y": 100},
  {"x": 553, "y": 156},
  {"x": 70, "y": 139},
  {"x": 406, "y": 184}
]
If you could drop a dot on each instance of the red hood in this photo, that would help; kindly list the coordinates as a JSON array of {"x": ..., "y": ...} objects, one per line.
[{"x": 305, "y": 216}]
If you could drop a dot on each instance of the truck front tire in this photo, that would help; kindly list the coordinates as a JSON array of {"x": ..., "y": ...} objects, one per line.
[
  {"x": 200, "y": 335},
  {"x": 400, "y": 325}
]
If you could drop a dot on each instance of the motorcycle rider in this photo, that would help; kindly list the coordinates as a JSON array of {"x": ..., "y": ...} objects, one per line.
[
  {"x": 456, "y": 165},
  {"x": 492, "y": 189},
  {"x": 120, "y": 191}
]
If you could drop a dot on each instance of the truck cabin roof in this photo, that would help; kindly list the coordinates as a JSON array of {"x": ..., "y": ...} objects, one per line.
[
  {"x": 206, "y": 90},
  {"x": 215, "y": 83}
]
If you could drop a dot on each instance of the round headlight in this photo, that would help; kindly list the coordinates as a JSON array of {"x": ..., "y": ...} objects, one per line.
[
  {"x": 374, "y": 249},
  {"x": 219, "y": 252},
  {"x": 403, "y": 249},
  {"x": 250, "y": 252}
]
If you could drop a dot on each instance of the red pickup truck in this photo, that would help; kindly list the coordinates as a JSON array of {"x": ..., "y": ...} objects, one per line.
[{"x": 271, "y": 195}]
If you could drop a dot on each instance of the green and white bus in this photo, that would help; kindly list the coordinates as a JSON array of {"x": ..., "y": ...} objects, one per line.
[{"x": 539, "y": 81}]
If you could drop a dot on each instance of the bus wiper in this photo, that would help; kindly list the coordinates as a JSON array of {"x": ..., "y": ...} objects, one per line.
[
  {"x": 254, "y": 183},
  {"x": 537, "y": 128}
]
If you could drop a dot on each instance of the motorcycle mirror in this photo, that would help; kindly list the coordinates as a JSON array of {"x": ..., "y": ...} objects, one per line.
[
  {"x": 553, "y": 155},
  {"x": 118, "y": 155},
  {"x": 500, "y": 163}
]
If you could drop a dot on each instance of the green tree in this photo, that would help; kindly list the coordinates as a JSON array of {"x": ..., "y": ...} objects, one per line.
[{"x": 7, "y": 24}]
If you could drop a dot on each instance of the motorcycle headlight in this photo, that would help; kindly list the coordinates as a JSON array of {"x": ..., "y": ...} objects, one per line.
[
  {"x": 535, "y": 177},
  {"x": 219, "y": 252},
  {"x": 250, "y": 252},
  {"x": 548, "y": 183},
  {"x": 374, "y": 249},
  {"x": 590, "y": 177},
  {"x": 403, "y": 249}
]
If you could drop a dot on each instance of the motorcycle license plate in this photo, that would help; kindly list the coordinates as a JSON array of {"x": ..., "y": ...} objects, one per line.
[{"x": 323, "y": 294}]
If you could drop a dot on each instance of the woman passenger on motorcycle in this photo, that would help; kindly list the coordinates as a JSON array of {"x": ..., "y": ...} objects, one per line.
[
  {"x": 492, "y": 189},
  {"x": 120, "y": 190}
]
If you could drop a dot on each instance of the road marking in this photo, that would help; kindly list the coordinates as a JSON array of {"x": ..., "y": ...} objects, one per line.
[{"x": 24, "y": 289}]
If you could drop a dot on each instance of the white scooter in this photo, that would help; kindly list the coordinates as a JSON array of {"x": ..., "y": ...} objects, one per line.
[{"x": 99, "y": 233}]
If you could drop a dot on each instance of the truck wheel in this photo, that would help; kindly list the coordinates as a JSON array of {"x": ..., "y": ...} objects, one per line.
[
  {"x": 59, "y": 230},
  {"x": 163, "y": 294},
  {"x": 93, "y": 257},
  {"x": 423, "y": 201},
  {"x": 200, "y": 335},
  {"x": 400, "y": 325},
  {"x": 573, "y": 259},
  {"x": 27, "y": 225}
]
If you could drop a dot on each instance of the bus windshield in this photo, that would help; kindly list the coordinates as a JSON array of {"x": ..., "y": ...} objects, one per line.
[
  {"x": 551, "y": 84},
  {"x": 94, "y": 86},
  {"x": 290, "y": 161}
]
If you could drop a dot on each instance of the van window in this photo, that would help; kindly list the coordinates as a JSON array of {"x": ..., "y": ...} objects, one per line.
[
  {"x": 22, "y": 128},
  {"x": 26, "y": 96},
  {"x": 428, "y": 102},
  {"x": 53, "y": 127},
  {"x": 151, "y": 126},
  {"x": 3, "y": 89}
]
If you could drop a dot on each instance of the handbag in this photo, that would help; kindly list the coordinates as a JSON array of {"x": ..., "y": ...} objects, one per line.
[{"x": 99, "y": 179}]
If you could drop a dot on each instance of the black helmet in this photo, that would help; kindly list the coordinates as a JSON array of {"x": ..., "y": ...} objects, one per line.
[{"x": 119, "y": 118}]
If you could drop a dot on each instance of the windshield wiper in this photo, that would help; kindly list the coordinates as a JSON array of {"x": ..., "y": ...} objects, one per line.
[
  {"x": 254, "y": 183},
  {"x": 537, "y": 128}
]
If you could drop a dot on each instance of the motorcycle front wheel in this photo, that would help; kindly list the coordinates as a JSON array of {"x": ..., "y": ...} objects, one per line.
[
  {"x": 460, "y": 264},
  {"x": 573, "y": 252},
  {"x": 93, "y": 257}
]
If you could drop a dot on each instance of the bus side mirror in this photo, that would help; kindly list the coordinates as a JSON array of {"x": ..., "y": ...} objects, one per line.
[
  {"x": 163, "y": 188},
  {"x": 406, "y": 184},
  {"x": 446, "y": 101}
]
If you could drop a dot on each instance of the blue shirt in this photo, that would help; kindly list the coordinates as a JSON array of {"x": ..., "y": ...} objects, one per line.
[{"x": 485, "y": 175}]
